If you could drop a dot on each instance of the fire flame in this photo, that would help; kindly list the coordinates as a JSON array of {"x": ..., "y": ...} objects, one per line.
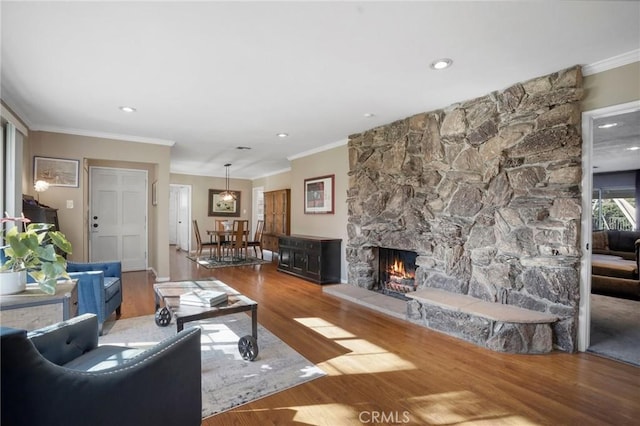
[{"x": 397, "y": 269}]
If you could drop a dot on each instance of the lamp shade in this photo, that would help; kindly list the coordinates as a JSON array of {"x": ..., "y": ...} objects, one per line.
[
  {"x": 227, "y": 195},
  {"x": 41, "y": 186}
]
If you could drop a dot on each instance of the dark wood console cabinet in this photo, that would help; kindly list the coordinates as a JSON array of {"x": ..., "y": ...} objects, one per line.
[{"x": 316, "y": 259}]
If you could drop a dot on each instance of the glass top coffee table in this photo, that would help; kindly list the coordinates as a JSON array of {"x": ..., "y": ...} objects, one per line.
[{"x": 168, "y": 294}]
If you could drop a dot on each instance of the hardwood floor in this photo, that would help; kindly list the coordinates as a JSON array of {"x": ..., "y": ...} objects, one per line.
[{"x": 382, "y": 370}]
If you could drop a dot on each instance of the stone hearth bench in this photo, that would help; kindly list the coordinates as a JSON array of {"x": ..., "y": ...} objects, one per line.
[{"x": 503, "y": 328}]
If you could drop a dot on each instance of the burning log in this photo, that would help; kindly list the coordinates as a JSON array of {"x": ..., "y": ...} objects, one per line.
[{"x": 401, "y": 286}]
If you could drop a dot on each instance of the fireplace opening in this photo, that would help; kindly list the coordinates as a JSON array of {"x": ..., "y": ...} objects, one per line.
[{"x": 396, "y": 272}]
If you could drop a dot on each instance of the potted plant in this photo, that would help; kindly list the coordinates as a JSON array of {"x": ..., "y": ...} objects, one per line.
[{"x": 32, "y": 251}]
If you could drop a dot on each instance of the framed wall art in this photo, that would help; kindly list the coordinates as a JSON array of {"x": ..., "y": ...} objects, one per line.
[
  {"x": 319, "y": 195},
  {"x": 56, "y": 171},
  {"x": 220, "y": 207}
]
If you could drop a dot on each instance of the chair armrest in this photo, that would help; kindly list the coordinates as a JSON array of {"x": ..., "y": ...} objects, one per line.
[
  {"x": 62, "y": 342},
  {"x": 91, "y": 298}
]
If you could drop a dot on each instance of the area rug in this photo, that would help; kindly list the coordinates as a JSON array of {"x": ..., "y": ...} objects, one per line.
[
  {"x": 615, "y": 330},
  {"x": 227, "y": 379},
  {"x": 211, "y": 263}
]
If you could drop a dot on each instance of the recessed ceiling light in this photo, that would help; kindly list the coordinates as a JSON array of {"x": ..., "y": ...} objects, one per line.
[
  {"x": 369, "y": 114},
  {"x": 441, "y": 64},
  {"x": 282, "y": 135},
  {"x": 633, "y": 148},
  {"x": 243, "y": 147},
  {"x": 607, "y": 126},
  {"x": 127, "y": 109}
]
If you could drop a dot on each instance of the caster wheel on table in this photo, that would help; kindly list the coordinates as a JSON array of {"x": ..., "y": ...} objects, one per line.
[
  {"x": 163, "y": 317},
  {"x": 248, "y": 347}
]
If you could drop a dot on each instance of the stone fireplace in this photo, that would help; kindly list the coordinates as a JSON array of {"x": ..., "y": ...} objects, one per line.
[{"x": 485, "y": 192}]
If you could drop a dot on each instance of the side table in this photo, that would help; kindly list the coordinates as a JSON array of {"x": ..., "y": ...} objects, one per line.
[{"x": 33, "y": 309}]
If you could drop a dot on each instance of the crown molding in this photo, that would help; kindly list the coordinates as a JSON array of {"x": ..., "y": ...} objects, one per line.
[
  {"x": 319, "y": 149},
  {"x": 104, "y": 135},
  {"x": 7, "y": 114},
  {"x": 611, "y": 63}
]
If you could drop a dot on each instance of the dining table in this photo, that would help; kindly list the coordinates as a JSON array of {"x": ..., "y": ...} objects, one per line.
[{"x": 222, "y": 236}]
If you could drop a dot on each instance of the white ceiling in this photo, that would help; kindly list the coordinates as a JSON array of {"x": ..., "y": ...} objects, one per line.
[
  {"x": 208, "y": 77},
  {"x": 616, "y": 148}
]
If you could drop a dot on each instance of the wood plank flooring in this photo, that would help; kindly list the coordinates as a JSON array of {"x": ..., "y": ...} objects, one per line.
[{"x": 382, "y": 370}]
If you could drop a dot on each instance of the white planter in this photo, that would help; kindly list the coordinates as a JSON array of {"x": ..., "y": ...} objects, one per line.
[{"x": 13, "y": 282}]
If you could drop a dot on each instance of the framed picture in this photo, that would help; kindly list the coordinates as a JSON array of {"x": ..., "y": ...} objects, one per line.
[
  {"x": 319, "y": 195},
  {"x": 56, "y": 171},
  {"x": 220, "y": 207},
  {"x": 154, "y": 193}
]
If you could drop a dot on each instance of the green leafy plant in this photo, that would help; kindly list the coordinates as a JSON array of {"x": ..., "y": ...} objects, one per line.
[{"x": 34, "y": 250}]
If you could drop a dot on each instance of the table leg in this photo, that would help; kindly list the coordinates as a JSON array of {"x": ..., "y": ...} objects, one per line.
[
  {"x": 210, "y": 245},
  {"x": 157, "y": 298},
  {"x": 254, "y": 321}
]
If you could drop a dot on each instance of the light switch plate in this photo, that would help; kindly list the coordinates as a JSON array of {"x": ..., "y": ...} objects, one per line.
[{"x": 69, "y": 204}]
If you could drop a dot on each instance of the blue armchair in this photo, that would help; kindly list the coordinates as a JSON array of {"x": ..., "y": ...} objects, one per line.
[
  {"x": 58, "y": 375},
  {"x": 99, "y": 288}
]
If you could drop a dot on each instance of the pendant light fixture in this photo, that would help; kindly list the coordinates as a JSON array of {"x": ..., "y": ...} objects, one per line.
[{"x": 227, "y": 195}]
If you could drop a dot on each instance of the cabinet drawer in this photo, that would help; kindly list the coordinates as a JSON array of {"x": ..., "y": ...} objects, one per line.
[
  {"x": 297, "y": 243},
  {"x": 310, "y": 245},
  {"x": 287, "y": 242},
  {"x": 270, "y": 242}
]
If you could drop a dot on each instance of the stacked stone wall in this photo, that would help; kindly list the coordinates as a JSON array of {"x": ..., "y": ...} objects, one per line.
[{"x": 487, "y": 192}]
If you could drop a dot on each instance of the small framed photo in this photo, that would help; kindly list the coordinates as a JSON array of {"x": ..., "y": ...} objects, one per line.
[
  {"x": 220, "y": 207},
  {"x": 56, "y": 171},
  {"x": 319, "y": 195}
]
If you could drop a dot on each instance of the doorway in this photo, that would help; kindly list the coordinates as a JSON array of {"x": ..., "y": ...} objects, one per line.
[
  {"x": 179, "y": 216},
  {"x": 118, "y": 216},
  {"x": 593, "y": 124},
  {"x": 257, "y": 207}
]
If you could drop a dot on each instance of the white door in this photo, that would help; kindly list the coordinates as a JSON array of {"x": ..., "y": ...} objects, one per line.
[
  {"x": 257, "y": 207},
  {"x": 118, "y": 217},
  {"x": 179, "y": 216},
  {"x": 173, "y": 214}
]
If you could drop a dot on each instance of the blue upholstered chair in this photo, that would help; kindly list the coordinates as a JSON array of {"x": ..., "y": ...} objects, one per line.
[
  {"x": 58, "y": 375},
  {"x": 99, "y": 288}
]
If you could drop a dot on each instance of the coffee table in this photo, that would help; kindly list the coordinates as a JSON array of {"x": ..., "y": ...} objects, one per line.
[{"x": 168, "y": 294}]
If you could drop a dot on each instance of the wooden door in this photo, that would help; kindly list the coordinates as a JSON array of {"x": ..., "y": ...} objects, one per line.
[
  {"x": 279, "y": 210},
  {"x": 269, "y": 212}
]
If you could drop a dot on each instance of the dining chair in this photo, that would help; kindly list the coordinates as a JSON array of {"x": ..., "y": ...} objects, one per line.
[
  {"x": 238, "y": 242},
  {"x": 222, "y": 240},
  {"x": 257, "y": 239},
  {"x": 200, "y": 244}
]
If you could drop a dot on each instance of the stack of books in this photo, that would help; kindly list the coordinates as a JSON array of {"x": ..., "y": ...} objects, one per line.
[{"x": 204, "y": 298}]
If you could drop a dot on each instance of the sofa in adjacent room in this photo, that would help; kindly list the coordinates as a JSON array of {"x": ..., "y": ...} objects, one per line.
[{"x": 615, "y": 263}]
